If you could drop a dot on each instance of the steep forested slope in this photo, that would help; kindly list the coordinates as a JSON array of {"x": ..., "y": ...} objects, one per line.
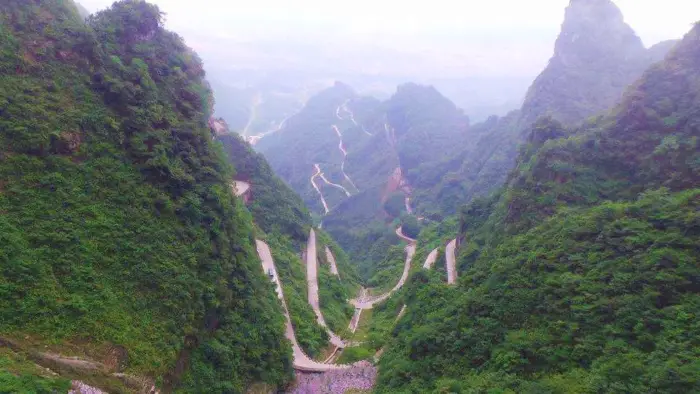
[
  {"x": 307, "y": 139},
  {"x": 582, "y": 275},
  {"x": 285, "y": 223},
  {"x": 596, "y": 57},
  {"x": 412, "y": 130},
  {"x": 120, "y": 239}
]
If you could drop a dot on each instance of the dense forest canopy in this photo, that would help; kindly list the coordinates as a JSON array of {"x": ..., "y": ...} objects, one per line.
[
  {"x": 580, "y": 275},
  {"x": 127, "y": 262},
  {"x": 118, "y": 227}
]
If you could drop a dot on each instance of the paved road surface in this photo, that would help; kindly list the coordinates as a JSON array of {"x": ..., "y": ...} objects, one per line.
[
  {"x": 329, "y": 183},
  {"x": 313, "y": 183},
  {"x": 301, "y": 360},
  {"x": 369, "y": 302},
  {"x": 331, "y": 260},
  {"x": 341, "y": 147},
  {"x": 312, "y": 282},
  {"x": 430, "y": 260},
  {"x": 254, "y": 139},
  {"x": 399, "y": 232},
  {"x": 240, "y": 188},
  {"x": 450, "y": 260}
]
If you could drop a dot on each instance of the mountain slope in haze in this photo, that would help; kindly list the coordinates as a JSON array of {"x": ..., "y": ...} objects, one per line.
[
  {"x": 413, "y": 128},
  {"x": 84, "y": 13},
  {"x": 596, "y": 56},
  {"x": 120, "y": 240},
  {"x": 255, "y": 110},
  {"x": 582, "y": 274},
  {"x": 308, "y": 138},
  {"x": 386, "y": 144}
]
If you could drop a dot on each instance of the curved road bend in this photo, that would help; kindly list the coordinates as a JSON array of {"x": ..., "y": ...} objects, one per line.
[
  {"x": 364, "y": 302},
  {"x": 329, "y": 183},
  {"x": 240, "y": 188},
  {"x": 312, "y": 282},
  {"x": 450, "y": 260},
  {"x": 313, "y": 183},
  {"x": 352, "y": 118},
  {"x": 431, "y": 259},
  {"x": 301, "y": 360},
  {"x": 399, "y": 232},
  {"x": 254, "y": 139}
]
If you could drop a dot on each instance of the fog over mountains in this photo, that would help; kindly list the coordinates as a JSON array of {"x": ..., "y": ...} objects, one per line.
[{"x": 481, "y": 55}]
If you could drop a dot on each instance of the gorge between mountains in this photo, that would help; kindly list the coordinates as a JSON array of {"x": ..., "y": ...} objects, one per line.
[{"x": 337, "y": 242}]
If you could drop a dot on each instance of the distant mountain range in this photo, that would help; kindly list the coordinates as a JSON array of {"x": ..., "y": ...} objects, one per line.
[{"x": 419, "y": 144}]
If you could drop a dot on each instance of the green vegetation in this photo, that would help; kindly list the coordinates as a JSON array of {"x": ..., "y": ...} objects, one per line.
[
  {"x": 410, "y": 226},
  {"x": 282, "y": 216},
  {"x": 586, "y": 302},
  {"x": 19, "y": 375},
  {"x": 118, "y": 226},
  {"x": 292, "y": 271},
  {"x": 388, "y": 270},
  {"x": 335, "y": 291},
  {"x": 275, "y": 207},
  {"x": 394, "y": 205},
  {"x": 581, "y": 274}
]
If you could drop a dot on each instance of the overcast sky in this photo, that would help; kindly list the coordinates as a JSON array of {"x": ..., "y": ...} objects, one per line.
[{"x": 476, "y": 37}]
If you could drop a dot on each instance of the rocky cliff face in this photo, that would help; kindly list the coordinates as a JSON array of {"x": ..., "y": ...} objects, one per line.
[{"x": 596, "y": 56}]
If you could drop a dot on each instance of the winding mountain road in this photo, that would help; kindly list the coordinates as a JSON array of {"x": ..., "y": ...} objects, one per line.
[
  {"x": 301, "y": 360},
  {"x": 450, "y": 261},
  {"x": 399, "y": 232},
  {"x": 341, "y": 147},
  {"x": 347, "y": 110},
  {"x": 329, "y": 183},
  {"x": 366, "y": 302},
  {"x": 254, "y": 139},
  {"x": 315, "y": 186},
  {"x": 257, "y": 100},
  {"x": 312, "y": 282},
  {"x": 431, "y": 259}
]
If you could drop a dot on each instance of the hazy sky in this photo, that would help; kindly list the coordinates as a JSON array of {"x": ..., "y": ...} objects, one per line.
[{"x": 444, "y": 37}]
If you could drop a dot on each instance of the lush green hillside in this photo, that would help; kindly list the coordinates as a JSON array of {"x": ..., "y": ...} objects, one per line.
[
  {"x": 596, "y": 57},
  {"x": 118, "y": 228},
  {"x": 582, "y": 275},
  {"x": 275, "y": 207},
  {"x": 285, "y": 222}
]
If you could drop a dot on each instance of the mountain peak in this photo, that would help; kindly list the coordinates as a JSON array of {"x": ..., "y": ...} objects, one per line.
[
  {"x": 593, "y": 28},
  {"x": 596, "y": 56}
]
